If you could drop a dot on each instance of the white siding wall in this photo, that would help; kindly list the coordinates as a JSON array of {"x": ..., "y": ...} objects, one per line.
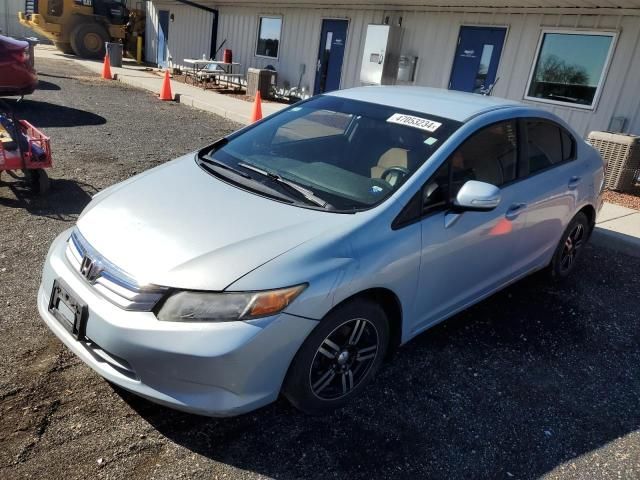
[
  {"x": 151, "y": 33},
  {"x": 189, "y": 33},
  {"x": 432, "y": 37},
  {"x": 9, "y": 23},
  {"x": 299, "y": 40}
]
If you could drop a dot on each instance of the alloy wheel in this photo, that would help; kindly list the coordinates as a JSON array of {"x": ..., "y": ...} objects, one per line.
[
  {"x": 572, "y": 246},
  {"x": 343, "y": 359}
]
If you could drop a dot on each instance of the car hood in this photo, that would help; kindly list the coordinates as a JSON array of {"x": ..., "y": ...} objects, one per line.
[{"x": 178, "y": 226}]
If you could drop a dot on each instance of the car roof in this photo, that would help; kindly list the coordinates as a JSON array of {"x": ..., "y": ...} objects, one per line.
[{"x": 459, "y": 106}]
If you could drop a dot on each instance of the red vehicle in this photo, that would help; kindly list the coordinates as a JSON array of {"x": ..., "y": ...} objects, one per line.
[
  {"x": 17, "y": 75},
  {"x": 24, "y": 147}
]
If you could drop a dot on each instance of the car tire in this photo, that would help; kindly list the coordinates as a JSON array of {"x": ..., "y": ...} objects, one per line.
[
  {"x": 88, "y": 39},
  {"x": 339, "y": 358},
  {"x": 64, "y": 47},
  {"x": 570, "y": 247}
]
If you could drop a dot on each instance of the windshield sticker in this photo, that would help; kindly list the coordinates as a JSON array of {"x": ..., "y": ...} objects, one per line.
[
  {"x": 430, "y": 141},
  {"x": 415, "y": 122},
  {"x": 376, "y": 189}
]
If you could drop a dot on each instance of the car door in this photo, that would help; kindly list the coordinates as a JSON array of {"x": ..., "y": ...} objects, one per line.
[
  {"x": 553, "y": 176},
  {"x": 467, "y": 255}
]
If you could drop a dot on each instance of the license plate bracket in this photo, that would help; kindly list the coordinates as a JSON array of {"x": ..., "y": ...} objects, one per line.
[{"x": 70, "y": 313}]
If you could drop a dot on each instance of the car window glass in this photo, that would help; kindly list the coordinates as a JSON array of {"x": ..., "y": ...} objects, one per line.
[
  {"x": 568, "y": 146},
  {"x": 490, "y": 155},
  {"x": 349, "y": 153},
  {"x": 316, "y": 124},
  {"x": 544, "y": 143},
  {"x": 435, "y": 193}
]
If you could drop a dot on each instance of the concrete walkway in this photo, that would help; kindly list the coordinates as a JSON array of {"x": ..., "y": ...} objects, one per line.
[
  {"x": 140, "y": 77},
  {"x": 618, "y": 228}
]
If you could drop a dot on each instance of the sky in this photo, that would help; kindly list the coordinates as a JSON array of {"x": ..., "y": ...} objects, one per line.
[
  {"x": 270, "y": 28},
  {"x": 587, "y": 51}
]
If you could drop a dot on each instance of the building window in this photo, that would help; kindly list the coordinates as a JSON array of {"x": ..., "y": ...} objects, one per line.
[
  {"x": 570, "y": 67},
  {"x": 269, "y": 29}
]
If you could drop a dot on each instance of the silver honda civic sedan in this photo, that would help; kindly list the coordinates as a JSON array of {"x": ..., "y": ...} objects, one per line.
[{"x": 295, "y": 254}]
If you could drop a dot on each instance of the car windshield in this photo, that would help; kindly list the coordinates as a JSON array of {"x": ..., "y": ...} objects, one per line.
[{"x": 350, "y": 154}]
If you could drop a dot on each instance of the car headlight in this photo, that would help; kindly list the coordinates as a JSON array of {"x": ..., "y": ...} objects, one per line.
[{"x": 226, "y": 307}]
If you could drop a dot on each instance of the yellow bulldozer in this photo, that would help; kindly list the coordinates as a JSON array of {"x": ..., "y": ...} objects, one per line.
[{"x": 82, "y": 27}]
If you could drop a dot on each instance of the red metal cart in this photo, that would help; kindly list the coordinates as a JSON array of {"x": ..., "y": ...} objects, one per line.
[{"x": 24, "y": 147}]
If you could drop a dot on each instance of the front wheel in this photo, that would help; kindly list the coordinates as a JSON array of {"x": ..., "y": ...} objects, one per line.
[
  {"x": 64, "y": 47},
  {"x": 570, "y": 247},
  {"x": 339, "y": 358},
  {"x": 88, "y": 40}
]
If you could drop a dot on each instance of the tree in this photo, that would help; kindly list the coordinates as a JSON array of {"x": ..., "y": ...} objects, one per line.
[{"x": 553, "y": 69}]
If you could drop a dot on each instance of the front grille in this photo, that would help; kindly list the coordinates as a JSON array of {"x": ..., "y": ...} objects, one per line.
[{"x": 109, "y": 280}]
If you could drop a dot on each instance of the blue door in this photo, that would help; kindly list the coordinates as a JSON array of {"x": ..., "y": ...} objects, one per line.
[
  {"x": 477, "y": 56},
  {"x": 330, "y": 55},
  {"x": 163, "y": 37}
]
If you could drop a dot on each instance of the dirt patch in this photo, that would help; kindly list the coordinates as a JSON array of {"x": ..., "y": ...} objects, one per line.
[{"x": 623, "y": 199}]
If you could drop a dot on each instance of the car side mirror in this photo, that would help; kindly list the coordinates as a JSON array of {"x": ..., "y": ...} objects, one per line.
[{"x": 477, "y": 196}]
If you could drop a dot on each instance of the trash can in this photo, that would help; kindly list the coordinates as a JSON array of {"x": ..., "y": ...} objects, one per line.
[
  {"x": 33, "y": 41},
  {"x": 261, "y": 80},
  {"x": 115, "y": 53}
]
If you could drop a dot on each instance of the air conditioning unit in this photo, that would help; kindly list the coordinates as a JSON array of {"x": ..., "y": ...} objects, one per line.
[
  {"x": 622, "y": 154},
  {"x": 260, "y": 80}
]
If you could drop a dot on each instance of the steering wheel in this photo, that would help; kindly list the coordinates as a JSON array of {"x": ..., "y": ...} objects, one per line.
[{"x": 394, "y": 174}]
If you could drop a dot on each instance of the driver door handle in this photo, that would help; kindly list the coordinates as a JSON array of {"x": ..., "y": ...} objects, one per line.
[
  {"x": 573, "y": 183},
  {"x": 515, "y": 210}
]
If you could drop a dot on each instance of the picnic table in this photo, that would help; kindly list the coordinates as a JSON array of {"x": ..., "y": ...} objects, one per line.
[{"x": 203, "y": 69}]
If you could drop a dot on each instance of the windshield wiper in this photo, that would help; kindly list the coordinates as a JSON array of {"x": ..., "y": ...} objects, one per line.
[
  {"x": 220, "y": 164},
  {"x": 306, "y": 193}
]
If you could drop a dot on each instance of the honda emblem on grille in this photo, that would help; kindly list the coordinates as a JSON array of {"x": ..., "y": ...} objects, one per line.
[{"x": 89, "y": 268}]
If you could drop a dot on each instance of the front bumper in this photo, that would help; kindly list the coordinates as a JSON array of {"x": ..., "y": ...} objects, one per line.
[
  {"x": 23, "y": 82},
  {"x": 217, "y": 369}
]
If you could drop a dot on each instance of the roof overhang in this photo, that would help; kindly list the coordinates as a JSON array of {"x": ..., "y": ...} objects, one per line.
[{"x": 559, "y": 6}]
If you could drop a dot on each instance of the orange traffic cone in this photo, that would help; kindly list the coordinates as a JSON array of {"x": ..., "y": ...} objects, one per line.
[
  {"x": 106, "y": 68},
  {"x": 256, "y": 114},
  {"x": 165, "y": 90}
]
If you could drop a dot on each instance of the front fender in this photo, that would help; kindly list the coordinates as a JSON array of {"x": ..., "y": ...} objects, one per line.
[{"x": 325, "y": 270}]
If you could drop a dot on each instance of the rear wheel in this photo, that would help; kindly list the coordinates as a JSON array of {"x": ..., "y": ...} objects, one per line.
[
  {"x": 570, "y": 247},
  {"x": 339, "y": 358},
  {"x": 64, "y": 47},
  {"x": 88, "y": 40}
]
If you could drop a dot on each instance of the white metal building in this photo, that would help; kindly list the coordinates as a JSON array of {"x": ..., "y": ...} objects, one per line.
[
  {"x": 578, "y": 58},
  {"x": 9, "y": 24}
]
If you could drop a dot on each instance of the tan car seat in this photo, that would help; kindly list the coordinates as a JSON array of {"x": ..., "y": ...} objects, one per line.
[{"x": 394, "y": 157}]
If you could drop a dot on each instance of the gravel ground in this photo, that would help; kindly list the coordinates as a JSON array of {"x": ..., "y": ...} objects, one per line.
[
  {"x": 538, "y": 380},
  {"x": 623, "y": 199}
]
